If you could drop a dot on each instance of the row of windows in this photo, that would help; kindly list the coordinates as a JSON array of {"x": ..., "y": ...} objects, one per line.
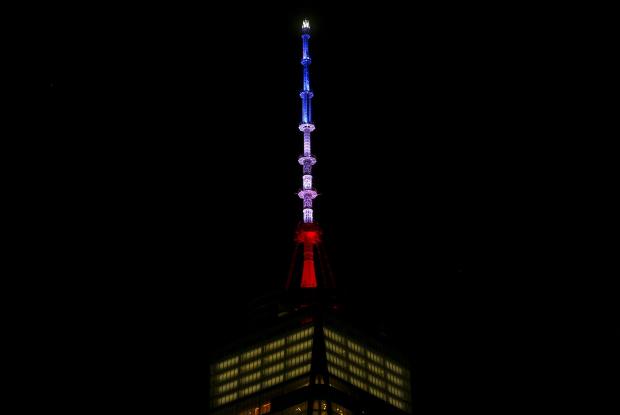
[
  {"x": 273, "y": 369},
  {"x": 274, "y": 380},
  {"x": 298, "y": 359},
  {"x": 252, "y": 353},
  {"x": 394, "y": 368},
  {"x": 357, "y": 371},
  {"x": 396, "y": 391},
  {"x": 374, "y": 357},
  {"x": 361, "y": 353},
  {"x": 222, "y": 382},
  {"x": 226, "y": 387},
  {"x": 398, "y": 403},
  {"x": 299, "y": 347},
  {"x": 332, "y": 358},
  {"x": 227, "y": 363},
  {"x": 357, "y": 359},
  {"x": 375, "y": 375},
  {"x": 358, "y": 383},
  {"x": 254, "y": 387},
  {"x": 226, "y": 398},
  {"x": 223, "y": 377},
  {"x": 375, "y": 369},
  {"x": 377, "y": 392},
  {"x": 367, "y": 382},
  {"x": 376, "y": 381},
  {"x": 300, "y": 335},
  {"x": 274, "y": 345},
  {"x": 330, "y": 334},
  {"x": 249, "y": 390},
  {"x": 250, "y": 378},
  {"x": 395, "y": 379},
  {"x": 267, "y": 348},
  {"x": 338, "y": 372},
  {"x": 274, "y": 357},
  {"x": 253, "y": 377},
  {"x": 298, "y": 372},
  {"x": 251, "y": 366},
  {"x": 332, "y": 347},
  {"x": 355, "y": 347}
]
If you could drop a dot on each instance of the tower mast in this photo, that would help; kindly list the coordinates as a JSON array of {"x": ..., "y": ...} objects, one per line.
[
  {"x": 307, "y": 160},
  {"x": 308, "y": 234}
]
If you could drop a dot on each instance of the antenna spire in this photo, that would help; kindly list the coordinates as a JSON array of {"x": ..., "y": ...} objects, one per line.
[
  {"x": 314, "y": 269},
  {"x": 307, "y": 160}
]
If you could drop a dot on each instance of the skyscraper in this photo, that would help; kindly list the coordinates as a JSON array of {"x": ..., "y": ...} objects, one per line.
[{"x": 306, "y": 355}]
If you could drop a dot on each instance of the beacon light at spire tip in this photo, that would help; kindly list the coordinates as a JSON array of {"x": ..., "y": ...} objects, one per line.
[{"x": 305, "y": 24}]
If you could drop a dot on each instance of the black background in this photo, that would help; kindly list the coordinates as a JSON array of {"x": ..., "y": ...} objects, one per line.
[{"x": 164, "y": 189}]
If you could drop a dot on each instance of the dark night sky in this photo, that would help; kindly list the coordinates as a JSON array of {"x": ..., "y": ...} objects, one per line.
[{"x": 170, "y": 167}]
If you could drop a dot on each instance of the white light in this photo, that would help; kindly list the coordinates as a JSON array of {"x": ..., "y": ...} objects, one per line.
[
  {"x": 307, "y": 179},
  {"x": 305, "y": 24}
]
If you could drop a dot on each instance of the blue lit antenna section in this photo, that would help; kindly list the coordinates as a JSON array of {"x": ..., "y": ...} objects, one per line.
[{"x": 307, "y": 160}]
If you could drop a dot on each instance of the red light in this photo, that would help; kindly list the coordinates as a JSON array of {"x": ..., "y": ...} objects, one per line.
[{"x": 308, "y": 278}]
